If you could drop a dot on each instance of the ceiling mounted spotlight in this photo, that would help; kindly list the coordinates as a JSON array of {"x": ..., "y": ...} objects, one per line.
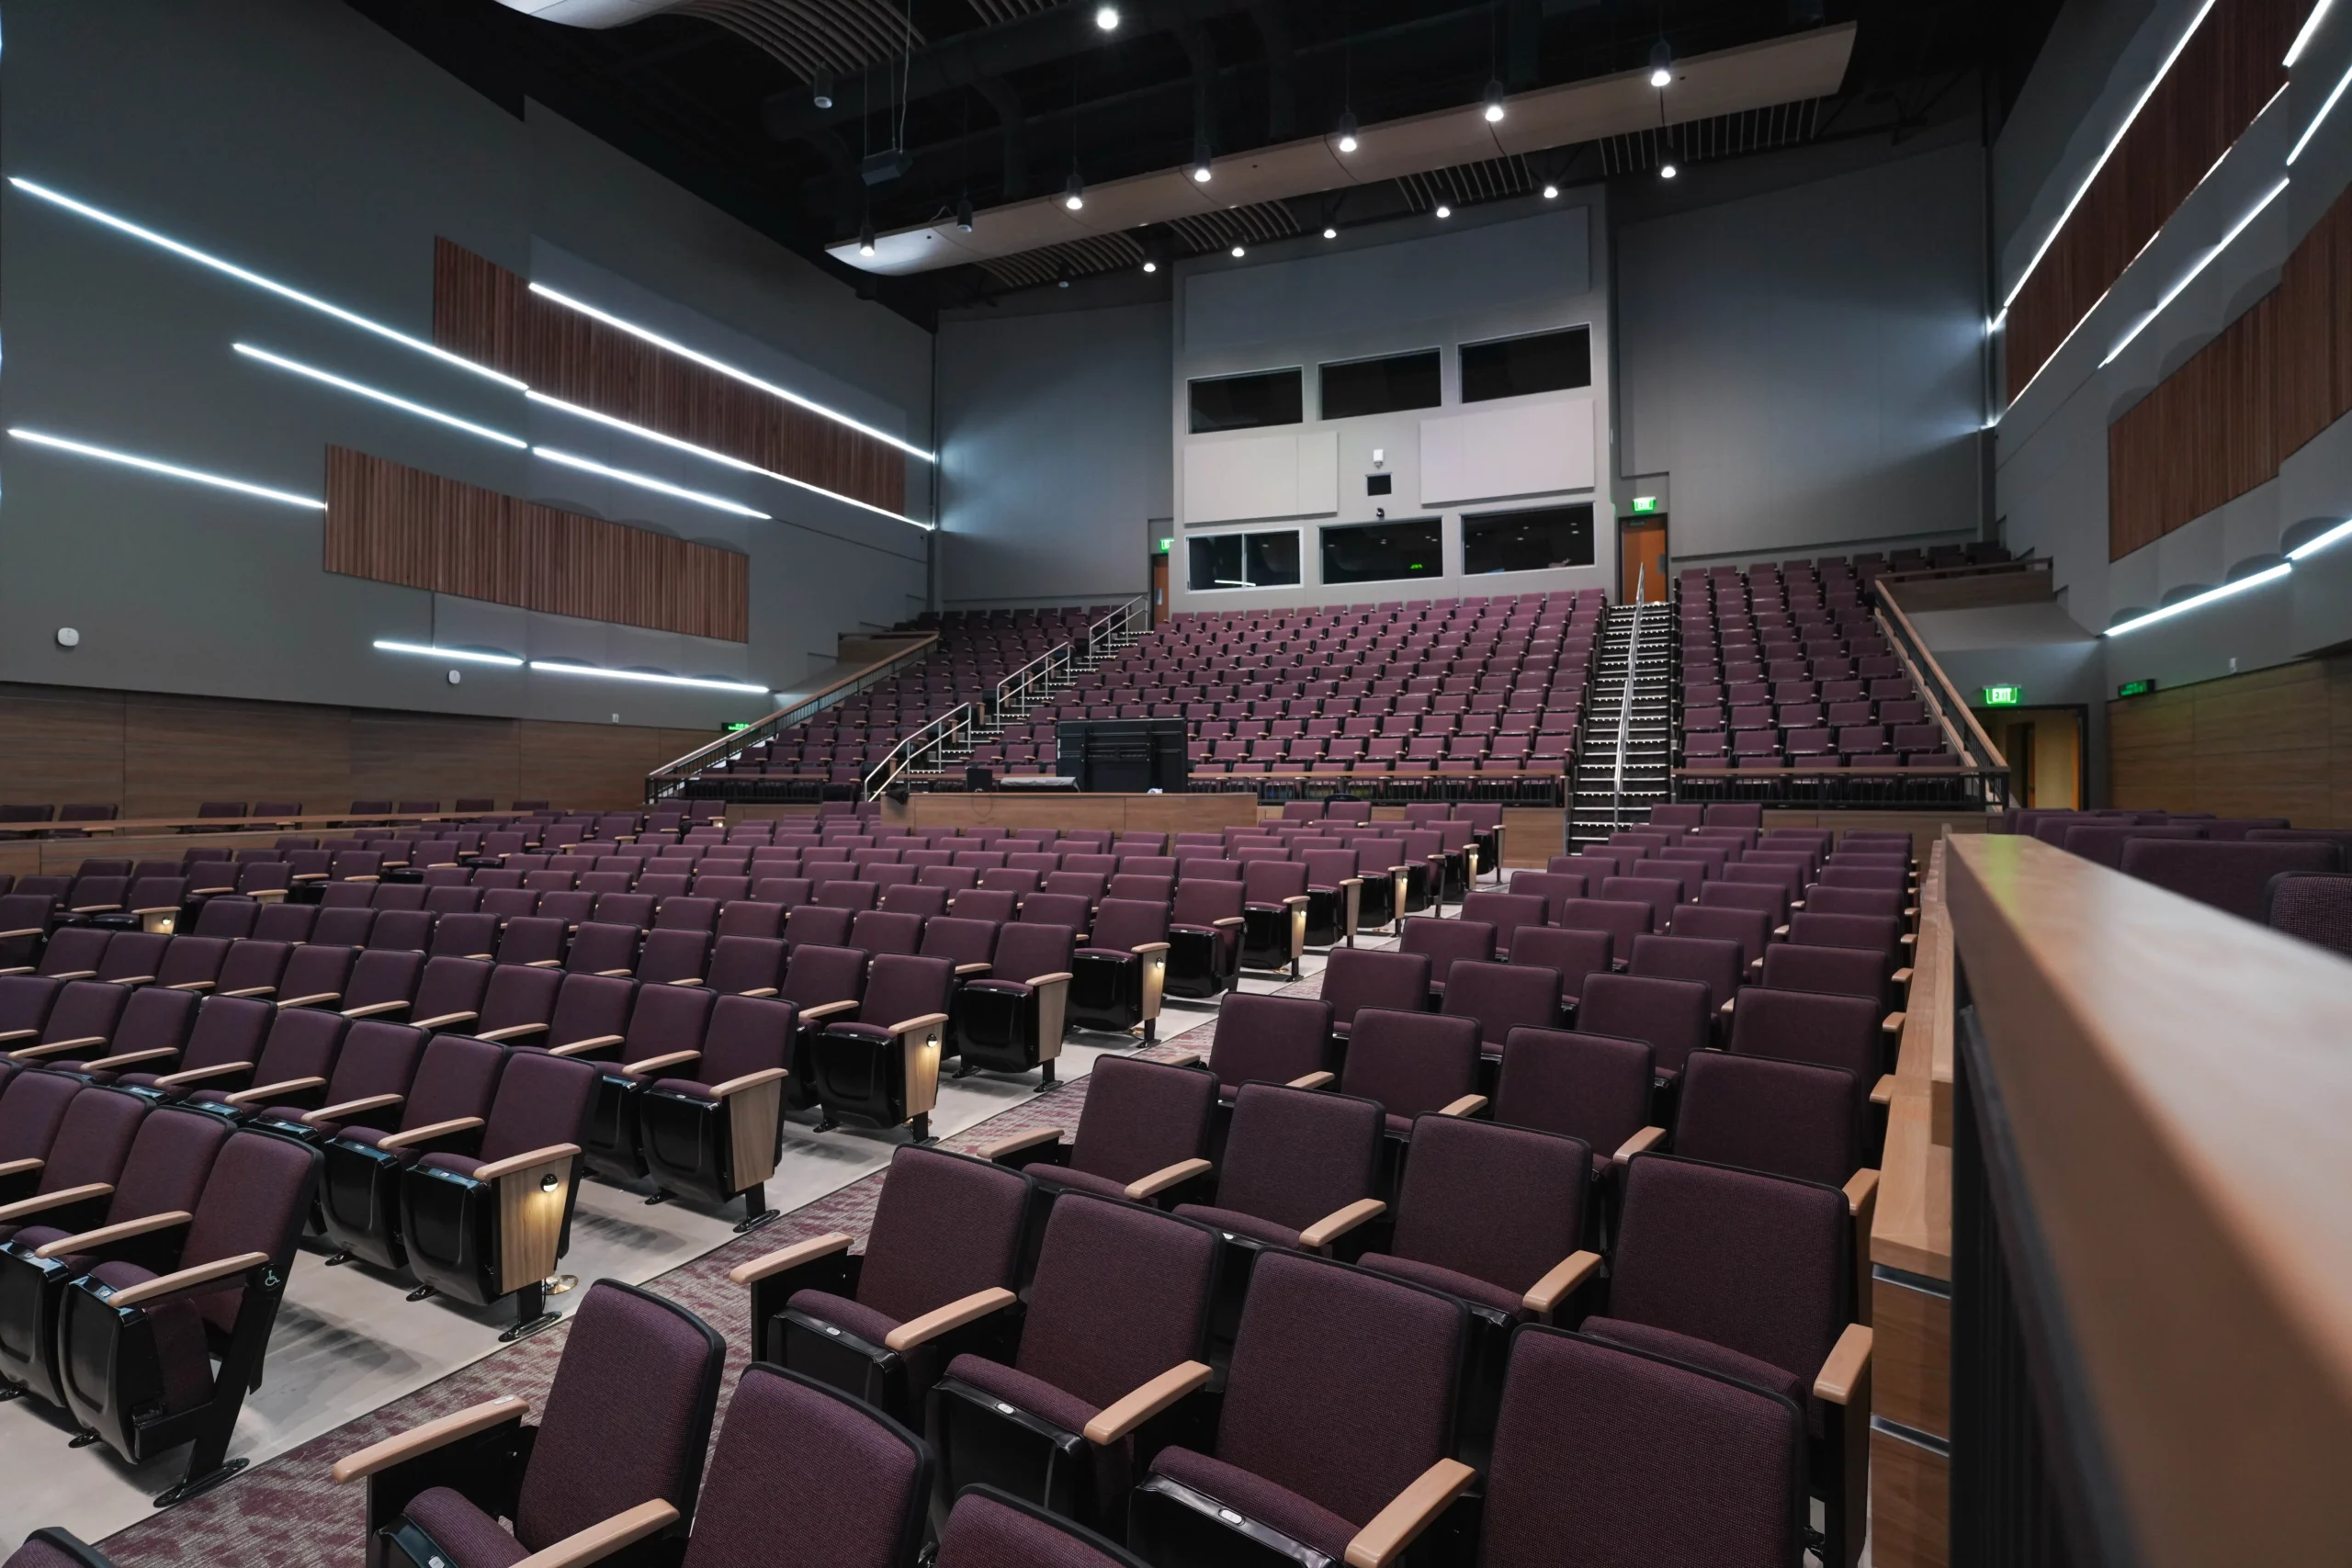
[
  {"x": 820, "y": 88},
  {"x": 1149, "y": 265},
  {"x": 1074, "y": 193},
  {"x": 1444, "y": 210},
  {"x": 1238, "y": 252},
  {"x": 1551, "y": 193},
  {"x": 1329, "y": 233},
  {"x": 1661, "y": 65},
  {"x": 865, "y": 239},
  {"x": 1107, "y": 17},
  {"x": 1667, "y": 170},
  {"x": 1347, "y": 132},
  {"x": 963, "y": 212},
  {"x": 1493, "y": 100},
  {"x": 1201, "y": 166}
]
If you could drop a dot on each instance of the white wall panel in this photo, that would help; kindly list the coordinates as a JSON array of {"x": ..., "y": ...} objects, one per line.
[
  {"x": 1499, "y": 454},
  {"x": 1246, "y": 477}
]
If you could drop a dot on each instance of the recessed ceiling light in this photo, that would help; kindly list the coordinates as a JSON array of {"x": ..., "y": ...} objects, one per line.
[
  {"x": 1444, "y": 210},
  {"x": 1238, "y": 252},
  {"x": 1107, "y": 17},
  {"x": 1666, "y": 171},
  {"x": 1551, "y": 193},
  {"x": 1150, "y": 266},
  {"x": 1330, "y": 233}
]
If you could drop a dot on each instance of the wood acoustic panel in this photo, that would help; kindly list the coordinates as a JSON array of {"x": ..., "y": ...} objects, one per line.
[
  {"x": 395, "y": 524},
  {"x": 2228, "y": 71},
  {"x": 2274, "y": 742},
  {"x": 490, "y": 315},
  {"x": 2221, "y": 423}
]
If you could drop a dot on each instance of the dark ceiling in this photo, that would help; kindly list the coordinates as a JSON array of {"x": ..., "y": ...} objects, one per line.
[{"x": 998, "y": 100}]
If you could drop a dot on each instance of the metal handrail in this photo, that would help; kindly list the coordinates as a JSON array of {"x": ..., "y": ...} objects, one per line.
[
  {"x": 956, "y": 723},
  {"x": 1101, "y": 634},
  {"x": 1031, "y": 684},
  {"x": 1940, "y": 694},
  {"x": 1625, "y": 703},
  {"x": 671, "y": 777}
]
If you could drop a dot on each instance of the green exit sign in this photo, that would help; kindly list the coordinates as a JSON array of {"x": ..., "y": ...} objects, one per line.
[
  {"x": 1644, "y": 504},
  {"x": 733, "y": 728},
  {"x": 2135, "y": 688},
  {"x": 2004, "y": 696},
  {"x": 1166, "y": 546}
]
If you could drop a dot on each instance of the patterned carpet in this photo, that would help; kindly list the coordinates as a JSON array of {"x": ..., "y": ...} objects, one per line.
[{"x": 289, "y": 1512}]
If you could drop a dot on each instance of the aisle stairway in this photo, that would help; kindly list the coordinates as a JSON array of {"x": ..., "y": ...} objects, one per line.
[
  {"x": 1122, "y": 634},
  {"x": 1625, "y": 743}
]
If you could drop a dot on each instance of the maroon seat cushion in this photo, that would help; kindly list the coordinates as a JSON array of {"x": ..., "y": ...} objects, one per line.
[
  {"x": 1476, "y": 1292},
  {"x": 1035, "y": 1396},
  {"x": 1239, "y": 1224},
  {"x": 923, "y": 1361},
  {"x": 453, "y": 1162},
  {"x": 1063, "y": 1176},
  {"x": 1308, "y": 1523},
  {"x": 179, "y": 1338},
  {"x": 1699, "y": 1353},
  {"x": 471, "y": 1538}
]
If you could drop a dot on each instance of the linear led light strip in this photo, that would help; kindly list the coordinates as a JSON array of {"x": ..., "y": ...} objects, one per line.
[
  {"x": 394, "y": 645},
  {"x": 198, "y": 476},
  {"x": 646, "y": 481},
  {"x": 2312, "y": 129},
  {"x": 2192, "y": 274},
  {"x": 315, "y": 374},
  {"x": 726, "y": 370},
  {"x": 2104, "y": 153},
  {"x": 391, "y": 645},
  {"x": 242, "y": 275},
  {"x": 2311, "y": 27},
  {"x": 2198, "y": 601},
  {"x": 721, "y": 457}
]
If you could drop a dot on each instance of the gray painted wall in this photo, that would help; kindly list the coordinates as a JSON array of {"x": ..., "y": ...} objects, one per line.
[
  {"x": 1054, "y": 456},
  {"x": 1803, "y": 367},
  {"x": 296, "y": 139}
]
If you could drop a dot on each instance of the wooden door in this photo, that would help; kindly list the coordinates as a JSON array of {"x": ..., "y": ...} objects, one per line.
[
  {"x": 1641, "y": 558},
  {"x": 1159, "y": 588}
]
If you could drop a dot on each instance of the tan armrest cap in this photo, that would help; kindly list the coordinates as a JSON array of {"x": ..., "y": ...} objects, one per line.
[
  {"x": 791, "y": 1257},
  {"x": 1132, "y": 1409}
]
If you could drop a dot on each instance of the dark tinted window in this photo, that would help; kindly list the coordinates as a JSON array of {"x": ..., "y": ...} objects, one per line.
[
  {"x": 1527, "y": 541},
  {"x": 1511, "y": 367},
  {"x": 1380, "y": 385},
  {"x": 1243, "y": 560},
  {"x": 1383, "y": 552},
  {"x": 1244, "y": 403}
]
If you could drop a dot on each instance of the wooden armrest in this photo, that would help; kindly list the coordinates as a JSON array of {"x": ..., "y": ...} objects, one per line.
[
  {"x": 428, "y": 1133},
  {"x": 1893, "y": 1023},
  {"x": 116, "y": 1064},
  {"x": 581, "y": 1047},
  {"x": 1647, "y": 1138},
  {"x": 1229, "y": 921},
  {"x": 6, "y": 1034},
  {"x": 1021, "y": 1141},
  {"x": 1725, "y": 1008},
  {"x": 1903, "y": 975},
  {"x": 186, "y": 1280},
  {"x": 1848, "y": 1368},
  {"x": 1882, "y": 1091},
  {"x": 1561, "y": 1282},
  {"x": 442, "y": 1020},
  {"x": 828, "y": 1009},
  {"x": 749, "y": 1080},
  {"x": 1039, "y": 982},
  {"x": 313, "y": 1000},
  {"x": 1908, "y": 939},
  {"x": 1469, "y": 1105},
  {"x": 261, "y": 1094},
  {"x": 1132, "y": 1409},
  {"x": 346, "y": 1109},
  {"x": 431, "y": 1435},
  {"x": 545, "y": 963},
  {"x": 1185, "y": 1059},
  {"x": 791, "y": 1257},
  {"x": 1339, "y": 1222},
  {"x": 652, "y": 1063},
  {"x": 1297, "y": 900},
  {"x": 1860, "y": 1189},
  {"x": 1781, "y": 932},
  {"x": 251, "y": 991},
  {"x": 55, "y": 1047},
  {"x": 64, "y": 974},
  {"x": 191, "y": 985},
  {"x": 1146, "y": 949},
  {"x": 106, "y": 1236},
  {"x": 1410, "y": 1513},
  {"x": 622, "y": 974},
  {"x": 1312, "y": 1081},
  {"x": 198, "y": 1075},
  {"x": 524, "y": 1161},
  {"x": 955, "y": 1314},
  {"x": 19, "y": 1166},
  {"x": 372, "y": 1009},
  {"x": 921, "y": 1021},
  {"x": 758, "y": 991},
  {"x": 512, "y": 1030},
  {"x": 1166, "y": 1176},
  {"x": 22, "y": 930},
  {"x": 604, "y": 1537},
  {"x": 964, "y": 969}
]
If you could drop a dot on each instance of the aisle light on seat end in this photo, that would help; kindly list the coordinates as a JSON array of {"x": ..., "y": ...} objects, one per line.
[{"x": 2199, "y": 601}]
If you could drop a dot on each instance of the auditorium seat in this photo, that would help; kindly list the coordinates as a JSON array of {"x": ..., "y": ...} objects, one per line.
[
  {"x": 1299, "y": 1169},
  {"x": 2230, "y": 874},
  {"x": 1357, "y": 978},
  {"x": 2314, "y": 905},
  {"x": 880, "y": 1069},
  {"x": 1014, "y": 1017},
  {"x": 707, "y": 1123}
]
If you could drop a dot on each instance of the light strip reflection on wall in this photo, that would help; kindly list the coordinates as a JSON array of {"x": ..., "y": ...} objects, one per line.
[
  {"x": 735, "y": 463},
  {"x": 726, "y": 370},
  {"x": 389, "y": 646},
  {"x": 284, "y": 291},
  {"x": 2312, "y": 129},
  {"x": 2104, "y": 153},
  {"x": 197, "y": 476},
  {"x": 646, "y": 481},
  {"x": 315, "y": 374},
  {"x": 2311, "y": 27},
  {"x": 2199, "y": 601},
  {"x": 2334, "y": 536},
  {"x": 2191, "y": 275},
  {"x": 644, "y": 675}
]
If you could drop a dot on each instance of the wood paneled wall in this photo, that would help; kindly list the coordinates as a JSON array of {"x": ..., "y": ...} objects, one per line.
[
  {"x": 490, "y": 315},
  {"x": 2227, "y": 72},
  {"x": 158, "y": 755},
  {"x": 2274, "y": 742},
  {"x": 396, "y": 524},
  {"x": 2222, "y": 423}
]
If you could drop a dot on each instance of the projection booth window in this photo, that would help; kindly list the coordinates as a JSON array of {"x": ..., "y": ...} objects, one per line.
[
  {"x": 1514, "y": 367},
  {"x": 1360, "y": 386},
  {"x": 1243, "y": 560},
  {"x": 1246, "y": 402},
  {"x": 1383, "y": 552},
  {"x": 1528, "y": 540}
]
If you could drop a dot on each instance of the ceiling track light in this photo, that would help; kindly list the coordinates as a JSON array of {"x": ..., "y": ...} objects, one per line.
[
  {"x": 866, "y": 238},
  {"x": 1444, "y": 210},
  {"x": 1239, "y": 251},
  {"x": 1661, "y": 65},
  {"x": 1074, "y": 193},
  {"x": 1667, "y": 170},
  {"x": 1347, "y": 132},
  {"x": 1551, "y": 193},
  {"x": 820, "y": 88},
  {"x": 1329, "y": 233},
  {"x": 1494, "y": 110},
  {"x": 963, "y": 212}
]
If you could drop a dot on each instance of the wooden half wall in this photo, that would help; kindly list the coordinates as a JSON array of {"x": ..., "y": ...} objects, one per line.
[
  {"x": 2274, "y": 742},
  {"x": 490, "y": 315},
  {"x": 394, "y": 524},
  {"x": 156, "y": 755}
]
